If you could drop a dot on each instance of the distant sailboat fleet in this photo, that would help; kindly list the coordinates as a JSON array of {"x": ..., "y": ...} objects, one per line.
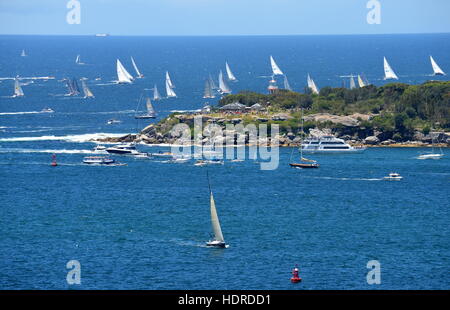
[{"x": 211, "y": 90}]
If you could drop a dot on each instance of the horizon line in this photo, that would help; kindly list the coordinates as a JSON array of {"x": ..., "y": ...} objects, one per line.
[{"x": 225, "y": 35}]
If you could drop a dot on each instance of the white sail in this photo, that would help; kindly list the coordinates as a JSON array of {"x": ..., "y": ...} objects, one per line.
[
  {"x": 352, "y": 83},
  {"x": 215, "y": 221},
  {"x": 275, "y": 69},
  {"x": 361, "y": 82},
  {"x": 122, "y": 74},
  {"x": 223, "y": 85},
  {"x": 150, "y": 109},
  {"x": 87, "y": 92},
  {"x": 230, "y": 74},
  {"x": 286, "y": 84},
  {"x": 437, "y": 70},
  {"x": 312, "y": 85},
  {"x": 23, "y": 53},
  {"x": 139, "y": 75},
  {"x": 209, "y": 92},
  {"x": 388, "y": 72},
  {"x": 169, "y": 90},
  {"x": 18, "y": 92},
  {"x": 77, "y": 61},
  {"x": 169, "y": 80},
  {"x": 156, "y": 95}
]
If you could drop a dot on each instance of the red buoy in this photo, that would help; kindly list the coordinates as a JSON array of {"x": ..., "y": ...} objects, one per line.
[
  {"x": 54, "y": 163},
  {"x": 295, "y": 275}
]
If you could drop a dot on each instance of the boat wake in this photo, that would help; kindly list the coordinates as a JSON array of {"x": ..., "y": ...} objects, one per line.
[
  {"x": 22, "y": 113},
  {"x": 69, "y": 138},
  {"x": 346, "y": 179}
]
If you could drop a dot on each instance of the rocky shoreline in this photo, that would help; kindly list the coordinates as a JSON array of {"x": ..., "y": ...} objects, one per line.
[{"x": 160, "y": 133}]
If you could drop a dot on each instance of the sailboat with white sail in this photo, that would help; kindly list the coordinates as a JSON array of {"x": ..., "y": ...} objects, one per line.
[
  {"x": 230, "y": 74},
  {"x": 169, "y": 91},
  {"x": 23, "y": 54},
  {"x": 361, "y": 82},
  {"x": 78, "y": 60},
  {"x": 352, "y": 82},
  {"x": 18, "y": 91},
  {"x": 122, "y": 74},
  {"x": 312, "y": 86},
  {"x": 286, "y": 84},
  {"x": 275, "y": 69},
  {"x": 150, "y": 111},
  {"x": 212, "y": 83},
  {"x": 389, "y": 73},
  {"x": 169, "y": 80},
  {"x": 209, "y": 92},
  {"x": 156, "y": 95},
  {"x": 218, "y": 241},
  {"x": 223, "y": 86},
  {"x": 139, "y": 74},
  {"x": 436, "y": 69},
  {"x": 87, "y": 92}
]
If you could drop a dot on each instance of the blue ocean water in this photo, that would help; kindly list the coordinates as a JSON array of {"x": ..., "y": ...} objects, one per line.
[{"x": 144, "y": 225}]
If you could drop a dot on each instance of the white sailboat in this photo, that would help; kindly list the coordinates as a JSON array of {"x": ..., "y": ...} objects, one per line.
[
  {"x": 169, "y": 80},
  {"x": 150, "y": 111},
  {"x": 230, "y": 74},
  {"x": 218, "y": 240},
  {"x": 209, "y": 92},
  {"x": 87, "y": 92},
  {"x": 275, "y": 69},
  {"x": 212, "y": 83},
  {"x": 78, "y": 60},
  {"x": 286, "y": 84},
  {"x": 361, "y": 82},
  {"x": 122, "y": 74},
  {"x": 352, "y": 83},
  {"x": 388, "y": 72},
  {"x": 23, "y": 54},
  {"x": 432, "y": 154},
  {"x": 223, "y": 87},
  {"x": 156, "y": 95},
  {"x": 18, "y": 92},
  {"x": 139, "y": 74},
  {"x": 170, "y": 92},
  {"x": 312, "y": 85},
  {"x": 436, "y": 69}
]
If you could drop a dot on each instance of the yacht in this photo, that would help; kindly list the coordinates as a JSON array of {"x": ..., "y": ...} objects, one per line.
[
  {"x": 100, "y": 149},
  {"x": 328, "y": 144},
  {"x": 98, "y": 160},
  {"x": 123, "y": 149}
]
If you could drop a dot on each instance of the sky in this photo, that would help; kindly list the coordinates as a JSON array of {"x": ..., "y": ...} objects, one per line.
[{"x": 223, "y": 17}]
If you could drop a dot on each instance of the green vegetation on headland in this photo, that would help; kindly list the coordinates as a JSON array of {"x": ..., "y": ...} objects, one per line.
[{"x": 394, "y": 113}]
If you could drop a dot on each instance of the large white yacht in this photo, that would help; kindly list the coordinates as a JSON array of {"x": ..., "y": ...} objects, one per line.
[{"x": 328, "y": 144}]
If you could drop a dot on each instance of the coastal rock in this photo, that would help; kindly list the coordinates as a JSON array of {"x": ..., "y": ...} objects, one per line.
[
  {"x": 348, "y": 121},
  {"x": 372, "y": 140}
]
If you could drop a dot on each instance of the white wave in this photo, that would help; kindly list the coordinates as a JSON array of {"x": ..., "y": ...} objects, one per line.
[
  {"x": 90, "y": 137},
  {"x": 63, "y": 151}
]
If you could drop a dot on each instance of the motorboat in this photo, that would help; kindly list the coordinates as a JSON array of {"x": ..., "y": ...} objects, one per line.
[
  {"x": 123, "y": 149},
  {"x": 113, "y": 121},
  {"x": 328, "y": 144},
  {"x": 98, "y": 160},
  {"x": 47, "y": 110},
  {"x": 100, "y": 149},
  {"x": 393, "y": 176}
]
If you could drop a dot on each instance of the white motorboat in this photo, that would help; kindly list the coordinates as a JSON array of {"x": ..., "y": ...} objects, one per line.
[
  {"x": 393, "y": 176},
  {"x": 98, "y": 160},
  {"x": 328, "y": 144}
]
